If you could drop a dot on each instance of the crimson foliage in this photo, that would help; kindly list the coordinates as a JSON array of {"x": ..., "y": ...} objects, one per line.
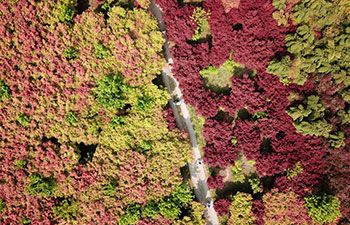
[
  {"x": 222, "y": 206},
  {"x": 215, "y": 182}
]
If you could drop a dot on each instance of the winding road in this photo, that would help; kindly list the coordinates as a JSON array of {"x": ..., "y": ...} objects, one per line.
[{"x": 197, "y": 170}]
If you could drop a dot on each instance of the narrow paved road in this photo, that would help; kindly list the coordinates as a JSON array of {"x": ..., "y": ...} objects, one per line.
[{"x": 198, "y": 175}]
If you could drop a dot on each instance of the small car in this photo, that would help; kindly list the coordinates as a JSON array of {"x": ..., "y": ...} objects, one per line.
[{"x": 209, "y": 205}]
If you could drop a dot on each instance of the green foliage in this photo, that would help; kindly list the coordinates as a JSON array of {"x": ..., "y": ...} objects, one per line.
[
  {"x": 201, "y": 17},
  {"x": 111, "y": 92},
  {"x": 144, "y": 103},
  {"x": 234, "y": 140},
  {"x": 196, "y": 217},
  {"x": 25, "y": 220},
  {"x": 151, "y": 209},
  {"x": 117, "y": 121},
  {"x": 241, "y": 210},
  {"x": 23, "y": 120},
  {"x": 109, "y": 189},
  {"x": 20, "y": 164},
  {"x": 259, "y": 115},
  {"x": 344, "y": 116},
  {"x": 70, "y": 53},
  {"x": 66, "y": 210},
  {"x": 2, "y": 205},
  {"x": 295, "y": 171},
  {"x": 5, "y": 91},
  {"x": 66, "y": 12},
  {"x": 309, "y": 118},
  {"x": 314, "y": 55},
  {"x": 38, "y": 185},
  {"x": 71, "y": 118},
  {"x": 106, "y": 6},
  {"x": 279, "y": 4},
  {"x": 198, "y": 125},
  {"x": 132, "y": 215},
  {"x": 101, "y": 51},
  {"x": 170, "y": 207},
  {"x": 218, "y": 79},
  {"x": 181, "y": 194},
  {"x": 345, "y": 94},
  {"x": 323, "y": 208},
  {"x": 337, "y": 139},
  {"x": 280, "y": 68},
  {"x": 237, "y": 172},
  {"x": 145, "y": 145},
  {"x": 255, "y": 184}
]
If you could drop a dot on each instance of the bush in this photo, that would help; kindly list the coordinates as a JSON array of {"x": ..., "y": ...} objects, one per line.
[
  {"x": 309, "y": 117},
  {"x": 111, "y": 92},
  {"x": 131, "y": 216},
  {"x": 23, "y": 120},
  {"x": 70, "y": 53},
  {"x": 66, "y": 210},
  {"x": 151, "y": 209},
  {"x": 39, "y": 185},
  {"x": 5, "y": 91},
  {"x": 170, "y": 207},
  {"x": 117, "y": 121},
  {"x": 284, "y": 208},
  {"x": 323, "y": 208},
  {"x": 2, "y": 205},
  {"x": 101, "y": 51},
  {"x": 66, "y": 12},
  {"x": 71, "y": 118},
  {"x": 200, "y": 18},
  {"x": 241, "y": 210}
]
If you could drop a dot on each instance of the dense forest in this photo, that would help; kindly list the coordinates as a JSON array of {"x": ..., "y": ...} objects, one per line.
[
  {"x": 270, "y": 86},
  {"x": 87, "y": 135},
  {"x": 84, "y": 135}
]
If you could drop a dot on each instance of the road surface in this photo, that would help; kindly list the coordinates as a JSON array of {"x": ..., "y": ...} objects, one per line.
[{"x": 198, "y": 175}]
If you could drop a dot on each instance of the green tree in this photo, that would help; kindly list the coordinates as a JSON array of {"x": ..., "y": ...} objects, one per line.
[
  {"x": 71, "y": 118},
  {"x": 25, "y": 220},
  {"x": 38, "y": 185},
  {"x": 111, "y": 92},
  {"x": 218, "y": 79},
  {"x": 309, "y": 117},
  {"x": 169, "y": 209},
  {"x": 20, "y": 164},
  {"x": 117, "y": 121},
  {"x": 200, "y": 17},
  {"x": 5, "y": 91},
  {"x": 295, "y": 171},
  {"x": 70, "y": 53},
  {"x": 241, "y": 210},
  {"x": 314, "y": 55},
  {"x": 66, "y": 210},
  {"x": 151, "y": 209},
  {"x": 323, "y": 208},
  {"x": 170, "y": 206},
  {"x": 23, "y": 120},
  {"x": 2, "y": 205},
  {"x": 101, "y": 51},
  {"x": 66, "y": 12},
  {"x": 131, "y": 216}
]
